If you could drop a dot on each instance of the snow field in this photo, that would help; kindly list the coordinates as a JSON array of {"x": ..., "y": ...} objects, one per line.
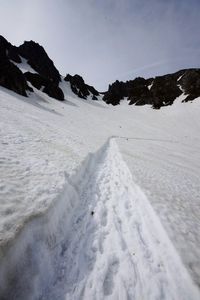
[
  {"x": 101, "y": 240},
  {"x": 122, "y": 251},
  {"x": 111, "y": 249}
]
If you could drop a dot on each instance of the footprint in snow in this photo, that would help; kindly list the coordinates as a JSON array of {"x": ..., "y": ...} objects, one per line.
[{"x": 112, "y": 270}]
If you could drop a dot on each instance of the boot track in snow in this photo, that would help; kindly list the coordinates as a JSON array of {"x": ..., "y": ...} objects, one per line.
[{"x": 100, "y": 240}]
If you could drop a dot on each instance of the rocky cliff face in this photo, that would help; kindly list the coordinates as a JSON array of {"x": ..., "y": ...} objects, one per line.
[
  {"x": 48, "y": 86},
  {"x": 45, "y": 77},
  {"x": 158, "y": 91},
  {"x": 190, "y": 83},
  {"x": 80, "y": 88},
  {"x": 10, "y": 76},
  {"x": 38, "y": 59}
]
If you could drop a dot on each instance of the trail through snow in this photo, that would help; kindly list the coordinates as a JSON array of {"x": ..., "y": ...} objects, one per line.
[
  {"x": 115, "y": 246},
  {"x": 43, "y": 139}
]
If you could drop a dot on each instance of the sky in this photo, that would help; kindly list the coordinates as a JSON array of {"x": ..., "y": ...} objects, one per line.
[{"x": 105, "y": 40}]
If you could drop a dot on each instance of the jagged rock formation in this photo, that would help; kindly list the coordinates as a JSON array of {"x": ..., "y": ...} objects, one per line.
[
  {"x": 190, "y": 83},
  {"x": 7, "y": 50},
  {"x": 47, "y": 86},
  {"x": 46, "y": 78},
  {"x": 80, "y": 88},
  {"x": 10, "y": 76},
  {"x": 158, "y": 91},
  {"x": 38, "y": 59},
  {"x": 116, "y": 91}
]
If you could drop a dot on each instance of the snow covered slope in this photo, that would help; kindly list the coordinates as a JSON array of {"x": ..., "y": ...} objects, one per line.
[{"x": 43, "y": 143}]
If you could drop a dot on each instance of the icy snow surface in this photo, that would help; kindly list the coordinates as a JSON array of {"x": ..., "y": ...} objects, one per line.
[{"x": 102, "y": 230}]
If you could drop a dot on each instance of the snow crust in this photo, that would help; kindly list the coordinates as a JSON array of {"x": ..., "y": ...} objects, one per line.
[
  {"x": 101, "y": 239},
  {"x": 43, "y": 142}
]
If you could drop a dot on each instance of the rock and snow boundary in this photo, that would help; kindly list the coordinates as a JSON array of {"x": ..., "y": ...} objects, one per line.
[{"x": 100, "y": 240}]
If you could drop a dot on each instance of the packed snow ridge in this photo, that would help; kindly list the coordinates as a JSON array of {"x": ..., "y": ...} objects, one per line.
[{"x": 101, "y": 239}]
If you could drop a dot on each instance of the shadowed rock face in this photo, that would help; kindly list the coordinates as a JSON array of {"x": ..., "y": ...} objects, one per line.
[
  {"x": 80, "y": 88},
  {"x": 47, "y": 77},
  {"x": 138, "y": 91},
  {"x": 10, "y": 76},
  {"x": 164, "y": 91},
  {"x": 38, "y": 59},
  {"x": 190, "y": 83},
  {"x": 116, "y": 91},
  {"x": 48, "y": 87},
  {"x": 8, "y": 51},
  {"x": 159, "y": 91}
]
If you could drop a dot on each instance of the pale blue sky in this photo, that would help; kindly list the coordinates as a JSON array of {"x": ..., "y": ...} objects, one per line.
[{"x": 106, "y": 40}]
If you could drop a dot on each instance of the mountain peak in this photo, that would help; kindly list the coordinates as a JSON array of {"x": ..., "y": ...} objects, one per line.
[{"x": 39, "y": 60}]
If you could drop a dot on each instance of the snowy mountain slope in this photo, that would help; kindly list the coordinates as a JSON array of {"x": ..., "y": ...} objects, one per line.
[
  {"x": 43, "y": 141},
  {"x": 29, "y": 64}
]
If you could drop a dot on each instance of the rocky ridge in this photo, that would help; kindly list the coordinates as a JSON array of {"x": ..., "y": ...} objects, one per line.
[
  {"x": 45, "y": 76},
  {"x": 159, "y": 91},
  {"x": 81, "y": 89}
]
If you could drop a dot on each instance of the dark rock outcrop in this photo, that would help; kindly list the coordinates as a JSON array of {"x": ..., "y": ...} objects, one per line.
[
  {"x": 54, "y": 91},
  {"x": 159, "y": 91},
  {"x": 80, "y": 88},
  {"x": 48, "y": 87},
  {"x": 10, "y": 76},
  {"x": 116, "y": 91},
  {"x": 48, "y": 76},
  {"x": 7, "y": 50},
  {"x": 190, "y": 83},
  {"x": 38, "y": 59},
  {"x": 138, "y": 92},
  {"x": 135, "y": 90},
  {"x": 164, "y": 90}
]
